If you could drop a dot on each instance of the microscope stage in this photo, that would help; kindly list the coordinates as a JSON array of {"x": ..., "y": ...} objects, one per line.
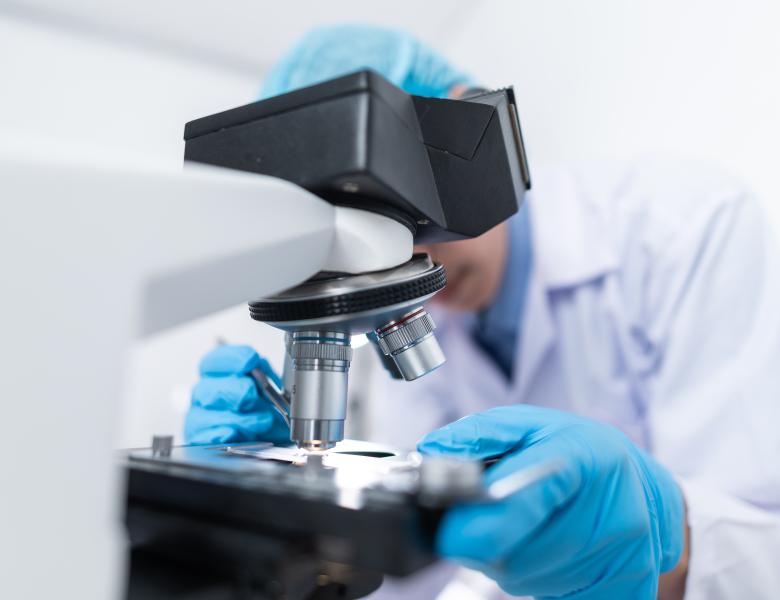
[{"x": 258, "y": 507}]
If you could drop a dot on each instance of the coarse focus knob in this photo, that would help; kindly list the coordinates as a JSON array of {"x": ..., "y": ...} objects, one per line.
[{"x": 411, "y": 344}]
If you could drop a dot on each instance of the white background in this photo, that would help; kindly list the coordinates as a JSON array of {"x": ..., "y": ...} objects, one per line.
[{"x": 599, "y": 79}]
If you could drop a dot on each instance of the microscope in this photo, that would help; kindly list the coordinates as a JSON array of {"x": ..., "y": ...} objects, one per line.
[
  {"x": 261, "y": 521},
  {"x": 439, "y": 169}
]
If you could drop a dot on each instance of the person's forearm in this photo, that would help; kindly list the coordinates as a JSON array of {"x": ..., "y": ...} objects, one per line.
[{"x": 671, "y": 585}]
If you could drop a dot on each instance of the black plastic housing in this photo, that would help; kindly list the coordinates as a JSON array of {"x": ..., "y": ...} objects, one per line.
[
  {"x": 207, "y": 532},
  {"x": 447, "y": 168}
]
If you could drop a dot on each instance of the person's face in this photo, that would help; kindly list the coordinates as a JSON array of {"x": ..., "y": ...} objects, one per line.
[{"x": 474, "y": 267}]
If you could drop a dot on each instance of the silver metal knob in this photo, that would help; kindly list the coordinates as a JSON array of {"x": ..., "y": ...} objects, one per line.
[
  {"x": 162, "y": 445},
  {"x": 411, "y": 344},
  {"x": 444, "y": 479}
]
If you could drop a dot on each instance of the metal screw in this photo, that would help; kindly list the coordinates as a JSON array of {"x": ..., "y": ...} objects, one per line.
[
  {"x": 162, "y": 445},
  {"x": 446, "y": 479}
]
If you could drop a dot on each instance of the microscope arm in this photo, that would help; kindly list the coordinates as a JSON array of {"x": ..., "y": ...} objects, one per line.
[
  {"x": 95, "y": 252},
  {"x": 278, "y": 236}
]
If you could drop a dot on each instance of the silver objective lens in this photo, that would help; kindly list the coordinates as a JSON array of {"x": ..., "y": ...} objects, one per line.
[
  {"x": 411, "y": 344},
  {"x": 318, "y": 402}
]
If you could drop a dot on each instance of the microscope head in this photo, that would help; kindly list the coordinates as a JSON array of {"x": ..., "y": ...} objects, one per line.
[
  {"x": 447, "y": 169},
  {"x": 439, "y": 169}
]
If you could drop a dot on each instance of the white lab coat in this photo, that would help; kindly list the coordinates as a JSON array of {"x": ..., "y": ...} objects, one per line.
[{"x": 653, "y": 305}]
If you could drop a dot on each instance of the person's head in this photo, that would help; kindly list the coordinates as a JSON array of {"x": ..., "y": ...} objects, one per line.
[
  {"x": 335, "y": 50},
  {"x": 475, "y": 269}
]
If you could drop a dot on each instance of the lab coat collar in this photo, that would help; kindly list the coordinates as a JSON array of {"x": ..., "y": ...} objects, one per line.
[
  {"x": 567, "y": 228},
  {"x": 537, "y": 336},
  {"x": 569, "y": 248}
]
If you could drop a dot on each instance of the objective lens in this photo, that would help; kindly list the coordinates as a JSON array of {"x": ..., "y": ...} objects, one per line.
[
  {"x": 318, "y": 401},
  {"x": 411, "y": 344}
]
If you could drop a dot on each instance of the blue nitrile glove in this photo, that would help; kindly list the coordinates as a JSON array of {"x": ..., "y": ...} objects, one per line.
[
  {"x": 605, "y": 526},
  {"x": 328, "y": 52},
  {"x": 226, "y": 405}
]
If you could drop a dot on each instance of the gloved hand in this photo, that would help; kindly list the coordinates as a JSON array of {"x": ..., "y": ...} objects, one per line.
[
  {"x": 226, "y": 404},
  {"x": 328, "y": 52},
  {"x": 604, "y": 527}
]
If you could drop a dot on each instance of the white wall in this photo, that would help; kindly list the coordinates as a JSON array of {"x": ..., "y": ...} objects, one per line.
[
  {"x": 242, "y": 36},
  {"x": 616, "y": 78},
  {"x": 596, "y": 79},
  {"x": 66, "y": 86}
]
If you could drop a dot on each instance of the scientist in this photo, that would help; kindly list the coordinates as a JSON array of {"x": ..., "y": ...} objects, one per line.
[{"x": 626, "y": 322}]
